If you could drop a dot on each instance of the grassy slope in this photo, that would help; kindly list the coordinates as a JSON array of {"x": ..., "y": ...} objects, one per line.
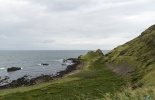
[
  {"x": 92, "y": 82},
  {"x": 139, "y": 53}
]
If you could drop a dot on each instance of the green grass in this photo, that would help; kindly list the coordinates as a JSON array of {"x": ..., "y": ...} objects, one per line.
[
  {"x": 92, "y": 82},
  {"x": 145, "y": 93}
]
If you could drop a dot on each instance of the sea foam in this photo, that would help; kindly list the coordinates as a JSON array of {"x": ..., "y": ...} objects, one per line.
[{"x": 2, "y": 68}]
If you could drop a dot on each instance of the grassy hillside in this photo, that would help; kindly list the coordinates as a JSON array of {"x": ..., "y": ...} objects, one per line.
[
  {"x": 136, "y": 61},
  {"x": 136, "y": 58},
  {"x": 92, "y": 82}
]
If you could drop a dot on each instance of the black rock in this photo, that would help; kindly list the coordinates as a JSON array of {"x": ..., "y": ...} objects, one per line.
[
  {"x": 73, "y": 59},
  {"x": 79, "y": 57},
  {"x": 13, "y": 69},
  {"x": 44, "y": 64}
]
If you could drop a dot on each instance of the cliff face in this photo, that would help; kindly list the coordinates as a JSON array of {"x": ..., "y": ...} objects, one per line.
[{"x": 136, "y": 57}]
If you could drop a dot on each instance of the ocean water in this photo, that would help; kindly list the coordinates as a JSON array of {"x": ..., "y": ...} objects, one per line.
[{"x": 30, "y": 62}]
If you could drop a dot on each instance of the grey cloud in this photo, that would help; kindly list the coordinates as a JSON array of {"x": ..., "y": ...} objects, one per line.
[
  {"x": 48, "y": 41},
  {"x": 61, "y": 5},
  {"x": 65, "y": 24}
]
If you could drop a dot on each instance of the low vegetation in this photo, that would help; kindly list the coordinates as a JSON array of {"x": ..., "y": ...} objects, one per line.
[{"x": 145, "y": 93}]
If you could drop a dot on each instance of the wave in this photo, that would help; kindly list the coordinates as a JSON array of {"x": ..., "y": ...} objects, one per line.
[
  {"x": 39, "y": 64},
  {"x": 59, "y": 60},
  {"x": 54, "y": 60},
  {"x": 2, "y": 68}
]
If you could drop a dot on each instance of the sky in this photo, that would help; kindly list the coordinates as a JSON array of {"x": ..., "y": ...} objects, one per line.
[{"x": 72, "y": 24}]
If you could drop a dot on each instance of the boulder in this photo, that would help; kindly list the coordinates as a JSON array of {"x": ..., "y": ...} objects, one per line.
[{"x": 13, "y": 69}]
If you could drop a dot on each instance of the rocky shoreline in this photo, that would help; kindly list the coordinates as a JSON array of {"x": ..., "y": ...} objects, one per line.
[{"x": 25, "y": 81}]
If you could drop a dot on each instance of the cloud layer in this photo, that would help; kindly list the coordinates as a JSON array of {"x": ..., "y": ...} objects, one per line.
[{"x": 72, "y": 24}]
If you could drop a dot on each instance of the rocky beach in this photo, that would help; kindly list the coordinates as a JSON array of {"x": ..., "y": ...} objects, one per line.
[{"x": 26, "y": 80}]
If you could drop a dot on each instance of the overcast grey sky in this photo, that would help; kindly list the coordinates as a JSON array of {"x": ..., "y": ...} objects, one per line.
[{"x": 72, "y": 24}]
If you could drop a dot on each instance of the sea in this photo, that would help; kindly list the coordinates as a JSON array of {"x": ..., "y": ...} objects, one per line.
[{"x": 30, "y": 62}]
